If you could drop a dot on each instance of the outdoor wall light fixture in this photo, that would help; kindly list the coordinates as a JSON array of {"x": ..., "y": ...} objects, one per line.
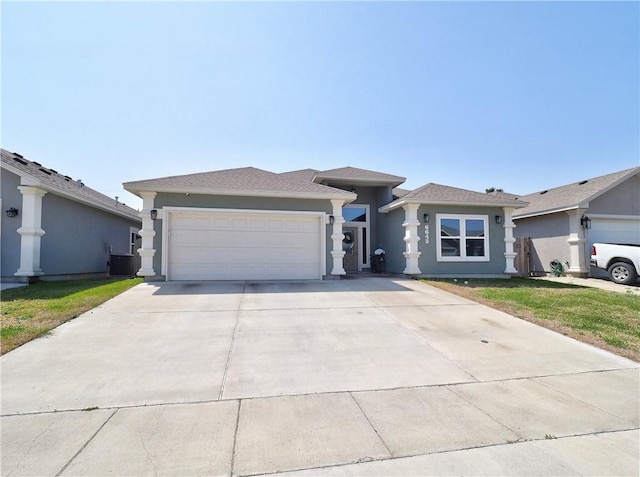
[
  {"x": 498, "y": 219},
  {"x": 154, "y": 214},
  {"x": 585, "y": 222},
  {"x": 425, "y": 218},
  {"x": 12, "y": 212},
  {"x": 332, "y": 219}
]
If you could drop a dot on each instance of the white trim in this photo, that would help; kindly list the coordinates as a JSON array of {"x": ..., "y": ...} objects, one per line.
[
  {"x": 147, "y": 232},
  {"x": 30, "y": 231},
  {"x": 337, "y": 253},
  {"x": 463, "y": 237},
  {"x": 401, "y": 202},
  {"x": 545, "y": 212},
  {"x": 360, "y": 225},
  {"x": 509, "y": 240},
  {"x": 132, "y": 230},
  {"x": 347, "y": 196},
  {"x": 168, "y": 213},
  {"x": 411, "y": 240}
]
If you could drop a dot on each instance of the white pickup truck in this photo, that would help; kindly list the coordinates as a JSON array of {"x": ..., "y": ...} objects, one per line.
[{"x": 622, "y": 261}]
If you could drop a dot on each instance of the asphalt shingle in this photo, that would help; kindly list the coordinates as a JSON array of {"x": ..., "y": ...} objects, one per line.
[
  {"x": 236, "y": 181},
  {"x": 436, "y": 193},
  {"x": 572, "y": 195},
  {"x": 54, "y": 181}
]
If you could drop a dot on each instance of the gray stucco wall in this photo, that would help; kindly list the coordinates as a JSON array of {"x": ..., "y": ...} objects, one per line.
[
  {"x": 393, "y": 233},
  {"x": 428, "y": 261},
  {"x": 390, "y": 234},
  {"x": 623, "y": 199},
  {"x": 236, "y": 202},
  {"x": 78, "y": 238},
  {"x": 549, "y": 234},
  {"x": 10, "y": 246}
]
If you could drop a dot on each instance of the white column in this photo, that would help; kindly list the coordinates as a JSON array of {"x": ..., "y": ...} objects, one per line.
[
  {"x": 147, "y": 233},
  {"x": 337, "y": 253},
  {"x": 509, "y": 240},
  {"x": 411, "y": 239},
  {"x": 30, "y": 232},
  {"x": 576, "y": 241}
]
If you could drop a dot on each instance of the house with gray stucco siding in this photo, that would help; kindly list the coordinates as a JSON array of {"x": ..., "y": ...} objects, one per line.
[
  {"x": 251, "y": 224},
  {"x": 564, "y": 222},
  {"x": 54, "y": 227}
]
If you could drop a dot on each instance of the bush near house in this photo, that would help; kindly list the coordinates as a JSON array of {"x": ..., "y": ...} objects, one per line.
[
  {"x": 605, "y": 319},
  {"x": 32, "y": 311}
]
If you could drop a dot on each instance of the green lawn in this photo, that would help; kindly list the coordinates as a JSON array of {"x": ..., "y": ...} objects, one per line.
[
  {"x": 605, "y": 319},
  {"x": 29, "y": 312}
]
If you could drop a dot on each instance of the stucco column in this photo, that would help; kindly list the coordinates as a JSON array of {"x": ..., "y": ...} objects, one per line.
[
  {"x": 147, "y": 233},
  {"x": 509, "y": 240},
  {"x": 31, "y": 231},
  {"x": 577, "y": 256},
  {"x": 336, "y": 236},
  {"x": 411, "y": 239}
]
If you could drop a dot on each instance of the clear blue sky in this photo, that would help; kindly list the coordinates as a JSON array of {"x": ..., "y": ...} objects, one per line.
[{"x": 523, "y": 96}]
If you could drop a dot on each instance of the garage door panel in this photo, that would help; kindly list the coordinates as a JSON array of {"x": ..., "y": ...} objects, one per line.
[
  {"x": 614, "y": 231},
  {"x": 238, "y": 246}
]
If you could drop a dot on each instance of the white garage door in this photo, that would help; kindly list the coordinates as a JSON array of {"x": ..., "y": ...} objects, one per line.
[
  {"x": 243, "y": 246},
  {"x": 611, "y": 230},
  {"x": 614, "y": 230}
]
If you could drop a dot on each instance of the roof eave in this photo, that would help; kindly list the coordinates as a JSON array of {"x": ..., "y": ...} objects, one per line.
[
  {"x": 347, "y": 196},
  {"x": 362, "y": 181},
  {"x": 29, "y": 180},
  {"x": 537, "y": 213},
  {"x": 404, "y": 201}
]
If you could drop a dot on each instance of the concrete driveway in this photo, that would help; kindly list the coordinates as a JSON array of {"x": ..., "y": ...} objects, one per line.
[{"x": 367, "y": 376}]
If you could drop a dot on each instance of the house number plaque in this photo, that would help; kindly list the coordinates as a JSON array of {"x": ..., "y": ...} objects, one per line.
[{"x": 426, "y": 233}]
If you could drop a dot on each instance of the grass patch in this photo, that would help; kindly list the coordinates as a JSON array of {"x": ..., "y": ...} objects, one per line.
[
  {"x": 602, "y": 318},
  {"x": 32, "y": 311}
]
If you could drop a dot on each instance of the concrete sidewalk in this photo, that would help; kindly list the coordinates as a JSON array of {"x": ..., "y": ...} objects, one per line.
[
  {"x": 601, "y": 283},
  {"x": 371, "y": 376}
]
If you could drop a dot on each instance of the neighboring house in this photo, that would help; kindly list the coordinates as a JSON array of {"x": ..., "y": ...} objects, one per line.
[
  {"x": 564, "y": 222},
  {"x": 54, "y": 227},
  {"x": 249, "y": 223}
]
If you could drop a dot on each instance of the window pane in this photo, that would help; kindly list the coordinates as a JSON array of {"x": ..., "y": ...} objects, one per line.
[
  {"x": 354, "y": 214},
  {"x": 474, "y": 227},
  {"x": 450, "y": 247},
  {"x": 475, "y": 247},
  {"x": 449, "y": 227}
]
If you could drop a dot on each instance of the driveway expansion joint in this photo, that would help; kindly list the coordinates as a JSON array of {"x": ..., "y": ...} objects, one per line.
[
  {"x": 386, "y": 446},
  {"x": 234, "y": 335},
  {"x": 84, "y": 446}
]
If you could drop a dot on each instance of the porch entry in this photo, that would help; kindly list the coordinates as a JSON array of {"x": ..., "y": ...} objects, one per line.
[{"x": 356, "y": 242}]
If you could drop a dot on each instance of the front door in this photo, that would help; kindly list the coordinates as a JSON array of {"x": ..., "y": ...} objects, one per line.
[{"x": 350, "y": 247}]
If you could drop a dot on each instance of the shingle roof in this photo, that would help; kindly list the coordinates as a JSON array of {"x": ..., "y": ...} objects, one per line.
[
  {"x": 353, "y": 174},
  {"x": 441, "y": 194},
  {"x": 399, "y": 192},
  {"x": 302, "y": 174},
  {"x": 241, "y": 181},
  {"x": 54, "y": 182},
  {"x": 574, "y": 195}
]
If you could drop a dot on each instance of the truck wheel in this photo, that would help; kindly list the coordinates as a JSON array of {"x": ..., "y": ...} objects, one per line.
[{"x": 621, "y": 272}]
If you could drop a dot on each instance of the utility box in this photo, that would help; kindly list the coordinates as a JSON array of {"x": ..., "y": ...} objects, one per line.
[{"x": 122, "y": 265}]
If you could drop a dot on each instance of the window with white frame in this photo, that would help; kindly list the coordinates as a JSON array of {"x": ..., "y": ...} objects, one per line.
[
  {"x": 133, "y": 240},
  {"x": 462, "y": 238}
]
